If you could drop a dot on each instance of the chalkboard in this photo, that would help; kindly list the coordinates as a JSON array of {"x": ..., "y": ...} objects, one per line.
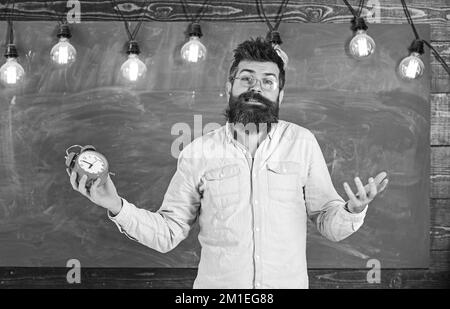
[{"x": 365, "y": 118}]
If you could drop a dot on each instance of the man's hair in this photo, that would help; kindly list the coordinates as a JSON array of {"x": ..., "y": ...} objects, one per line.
[{"x": 256, "y": 50}]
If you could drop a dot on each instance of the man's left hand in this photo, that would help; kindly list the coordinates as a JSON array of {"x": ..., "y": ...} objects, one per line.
[{"x": 366, "y": 194}]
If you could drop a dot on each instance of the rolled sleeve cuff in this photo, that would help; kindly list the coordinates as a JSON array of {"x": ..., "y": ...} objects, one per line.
[
  {"x": 356, "y": 219},
  {"x": 123, "y": 218}
]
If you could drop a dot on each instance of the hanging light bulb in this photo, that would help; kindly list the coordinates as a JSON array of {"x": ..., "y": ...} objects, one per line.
[
  {"x": 63, "y": 53},
  {"x": 362, "y": 45},
  {"x": 275, "y": 38},
  {"x": 194, "y": 51},
  {"x": 11, "y": 73},
  {"x": 133, "y": 69},
  {"x": 412, "y": 67}
]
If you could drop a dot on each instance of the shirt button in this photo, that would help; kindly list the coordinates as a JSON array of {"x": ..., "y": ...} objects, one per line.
[
  {"x": 257, "y": 229},
  {"x": 256, "y": 202},
  {"x": 257, "y": 257},
  {"x": 258, "y": 284}
]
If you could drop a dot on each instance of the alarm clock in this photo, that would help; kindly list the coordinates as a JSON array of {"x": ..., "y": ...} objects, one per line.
[{"x": 87, "y": 161}]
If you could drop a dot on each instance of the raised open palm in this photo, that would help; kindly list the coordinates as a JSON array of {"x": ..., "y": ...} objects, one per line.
[{"x": 366, "y": 194}]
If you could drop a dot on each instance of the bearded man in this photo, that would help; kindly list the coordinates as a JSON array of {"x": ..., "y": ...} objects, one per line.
[{"x": 252, "y": 188}]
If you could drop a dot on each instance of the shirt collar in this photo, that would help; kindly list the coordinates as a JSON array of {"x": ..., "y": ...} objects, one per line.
[{"x": 229, "y": 131}]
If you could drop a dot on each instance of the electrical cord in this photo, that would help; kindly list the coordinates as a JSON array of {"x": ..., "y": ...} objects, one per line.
[
  {"x": 278, "y": 18},
  {"x": 200, "y": 13},
  {"x": 131, "y": 35}
]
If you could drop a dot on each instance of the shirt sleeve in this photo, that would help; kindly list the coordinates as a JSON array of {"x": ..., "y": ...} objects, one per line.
[
  {"x": 164, "y": 229},
  {"x": 324, "y": 205}
]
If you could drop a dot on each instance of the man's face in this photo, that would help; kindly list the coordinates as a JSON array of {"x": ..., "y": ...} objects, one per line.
[{"x": 258, "y": 103}]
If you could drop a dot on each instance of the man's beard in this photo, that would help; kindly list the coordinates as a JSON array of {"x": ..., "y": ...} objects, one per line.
[{"x": 239, "y": 111}]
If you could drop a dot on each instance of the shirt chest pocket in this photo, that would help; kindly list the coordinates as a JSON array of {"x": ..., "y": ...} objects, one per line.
[
  {"x": 223, "y": 185},
  {"x": 284, "y": 182}
]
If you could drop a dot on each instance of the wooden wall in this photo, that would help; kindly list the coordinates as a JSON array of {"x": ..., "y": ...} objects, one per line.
[{"x": 433, "y": 12}]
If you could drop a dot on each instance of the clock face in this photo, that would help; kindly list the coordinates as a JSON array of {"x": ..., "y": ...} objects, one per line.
[{"x": 91, "y": 162}]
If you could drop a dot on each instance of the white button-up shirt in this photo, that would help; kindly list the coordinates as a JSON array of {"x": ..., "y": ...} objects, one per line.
[{"x": 252, "y": 212}]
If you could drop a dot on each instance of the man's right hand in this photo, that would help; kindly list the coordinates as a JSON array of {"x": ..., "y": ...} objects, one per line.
[{"x": 105, "y": 195}]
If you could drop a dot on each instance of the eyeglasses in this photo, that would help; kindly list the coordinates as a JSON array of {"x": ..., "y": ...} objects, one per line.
[{"x": 268, "y": 83}]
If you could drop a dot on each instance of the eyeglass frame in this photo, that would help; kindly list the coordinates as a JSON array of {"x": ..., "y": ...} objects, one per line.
[{"x": 277, "y": 83}]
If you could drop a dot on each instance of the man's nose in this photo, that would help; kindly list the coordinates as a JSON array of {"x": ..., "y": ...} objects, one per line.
[{"x": 257, "y": 86}]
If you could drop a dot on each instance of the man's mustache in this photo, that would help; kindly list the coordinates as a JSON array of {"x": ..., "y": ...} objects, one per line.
[{"x": 251, "y": 95}]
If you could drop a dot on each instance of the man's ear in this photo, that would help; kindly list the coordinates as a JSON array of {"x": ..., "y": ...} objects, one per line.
[
  {"x": 228, "y": 87},
  {"x": 281, "y": 96}
]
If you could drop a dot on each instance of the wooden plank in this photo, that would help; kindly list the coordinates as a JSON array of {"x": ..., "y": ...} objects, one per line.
[
  {"x": 439, "y": 260},
  {"x": 128, "y": 278},
  {"x": 184, "y": 278},
  {"x": 440, "y": 119},
  {"x": 440, "y": 79},
  {"x": 390, "y": 279},
  {"x": 434, "y": 12},
  {"x": 440, "y": 172},
  {"x": 440, "y": 224}
]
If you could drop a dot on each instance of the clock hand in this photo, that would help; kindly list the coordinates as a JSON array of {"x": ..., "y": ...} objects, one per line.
[{"x": 88, "y": 163}]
